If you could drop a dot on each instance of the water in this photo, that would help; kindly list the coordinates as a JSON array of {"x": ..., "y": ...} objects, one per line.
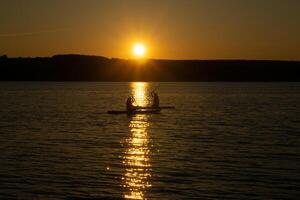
[{"x": 223, "y": 141}]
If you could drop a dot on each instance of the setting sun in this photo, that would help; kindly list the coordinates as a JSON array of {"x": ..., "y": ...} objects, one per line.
[{"x": 139, "y": 50}]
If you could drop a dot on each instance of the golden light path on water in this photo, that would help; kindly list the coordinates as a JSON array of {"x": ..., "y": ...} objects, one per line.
[
  {"x": 139, "y": 90},
  {"x": 137, "y": 156}
]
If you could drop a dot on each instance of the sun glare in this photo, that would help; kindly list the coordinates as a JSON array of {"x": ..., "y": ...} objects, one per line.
[{"x": 139, "y": 50}]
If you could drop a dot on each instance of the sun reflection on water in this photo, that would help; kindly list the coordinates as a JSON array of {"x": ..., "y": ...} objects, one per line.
[
  {"x": 137, "y": 155},
  {"x": 139, "y": 92}
]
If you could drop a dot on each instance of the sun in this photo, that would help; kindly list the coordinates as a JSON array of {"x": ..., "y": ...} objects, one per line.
[{"x": 139, "y": 50}]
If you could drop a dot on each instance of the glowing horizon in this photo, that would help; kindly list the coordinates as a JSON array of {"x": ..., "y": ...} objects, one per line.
[{"x": 173, "y": 29}]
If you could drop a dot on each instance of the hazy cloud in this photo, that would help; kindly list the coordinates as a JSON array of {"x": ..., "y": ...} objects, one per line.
[{"x": 31, "y": 33}]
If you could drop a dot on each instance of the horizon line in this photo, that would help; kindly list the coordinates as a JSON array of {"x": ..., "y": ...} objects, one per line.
[{"x": 154, "y": 59}]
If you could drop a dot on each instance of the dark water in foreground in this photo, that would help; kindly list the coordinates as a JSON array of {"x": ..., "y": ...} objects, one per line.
[{"x": 223, "y": 141}]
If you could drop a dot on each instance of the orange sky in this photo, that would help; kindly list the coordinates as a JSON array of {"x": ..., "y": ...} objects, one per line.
[{"x": 171, "y": 29}]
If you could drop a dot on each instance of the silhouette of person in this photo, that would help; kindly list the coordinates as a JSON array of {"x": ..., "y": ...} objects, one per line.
[
  {"x": 129, "y": 104},
  {"x": 155, "y": 100}
]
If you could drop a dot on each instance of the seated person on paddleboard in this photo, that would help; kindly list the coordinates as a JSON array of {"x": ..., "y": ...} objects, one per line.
[
  {"x": 129, "y": 104},
  {"x": 155, "y": 100}
]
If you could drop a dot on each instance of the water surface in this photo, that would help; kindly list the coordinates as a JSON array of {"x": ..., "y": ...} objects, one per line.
[{"x": 223, "y": 141}]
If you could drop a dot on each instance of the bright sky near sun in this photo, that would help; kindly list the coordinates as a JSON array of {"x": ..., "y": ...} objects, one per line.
[{"x": 171, "y": 29}]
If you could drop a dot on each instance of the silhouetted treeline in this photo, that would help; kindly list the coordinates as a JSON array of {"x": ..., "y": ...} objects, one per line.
[{"x": 96, "y": 68}]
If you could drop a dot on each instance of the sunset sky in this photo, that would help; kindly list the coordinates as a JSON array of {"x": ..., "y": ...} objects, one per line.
[{"x": 169, "y": 29}]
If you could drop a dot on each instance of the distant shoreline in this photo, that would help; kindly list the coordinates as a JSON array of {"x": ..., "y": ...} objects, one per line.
[{"x": 98, "y": 68}]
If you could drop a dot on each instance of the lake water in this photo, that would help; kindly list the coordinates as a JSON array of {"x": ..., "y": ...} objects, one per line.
[{"x": 223, "y": 141}]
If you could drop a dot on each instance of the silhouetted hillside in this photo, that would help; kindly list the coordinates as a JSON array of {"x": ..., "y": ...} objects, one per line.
[{"x": 96, "y": 68}]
